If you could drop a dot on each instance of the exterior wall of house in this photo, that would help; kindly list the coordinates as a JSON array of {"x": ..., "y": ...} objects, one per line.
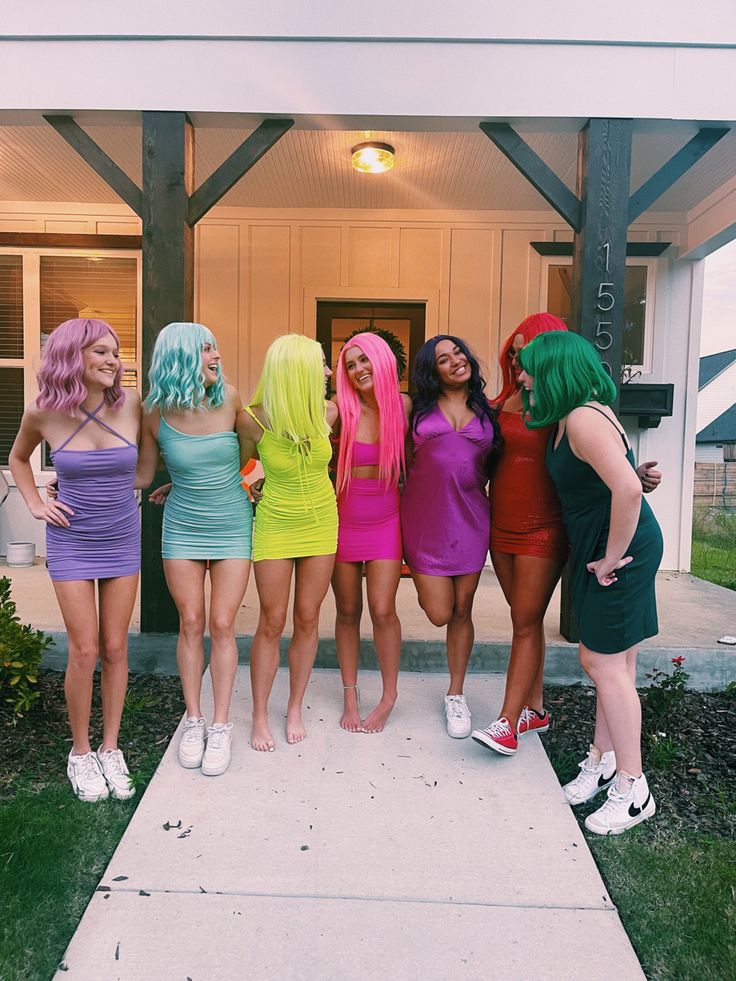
[
  {"x": 708, "y": 453},
  {"x": 260, "y": 273},
  {"x": 717, "y": 396}
]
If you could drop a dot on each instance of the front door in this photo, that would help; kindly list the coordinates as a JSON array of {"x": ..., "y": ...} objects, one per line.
[{"x": 337, "y": 320}]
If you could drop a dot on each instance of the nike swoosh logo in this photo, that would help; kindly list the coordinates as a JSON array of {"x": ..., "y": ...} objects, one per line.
[
  {"x": 636, "y": 811},
  {"x": 603, "y": 780}
]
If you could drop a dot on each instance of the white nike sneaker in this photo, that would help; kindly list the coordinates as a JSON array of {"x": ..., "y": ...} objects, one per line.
[
  {"x": 596, "y": 774},
  {"x": 629, "y": 803},
  {"x": 457, "y": 716},
  {"x": 86, "y": 777},
  {"x": 116, "y": 773},
  {"x": 217, "y": 754},
  {"x": 191, "y": 744}
]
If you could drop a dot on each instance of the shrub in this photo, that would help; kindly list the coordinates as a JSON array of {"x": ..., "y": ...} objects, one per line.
[
  {"x": 666, "y": 693},
  {"x": 21, "y": 648}
]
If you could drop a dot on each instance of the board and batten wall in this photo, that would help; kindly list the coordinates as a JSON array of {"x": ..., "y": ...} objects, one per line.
[{"x": 259, "y": 273}]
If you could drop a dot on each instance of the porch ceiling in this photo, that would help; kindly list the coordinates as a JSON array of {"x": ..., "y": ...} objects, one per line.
[{"x": 451, "y": 168}]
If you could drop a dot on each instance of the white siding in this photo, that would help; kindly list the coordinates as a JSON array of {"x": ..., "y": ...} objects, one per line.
[{"x": 717, "y": 396}]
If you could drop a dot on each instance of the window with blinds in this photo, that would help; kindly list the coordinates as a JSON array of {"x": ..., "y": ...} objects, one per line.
[
  {"x": 11, "y": 409},
  {"x": 11, "y": 306},
  {"x": 98, "y": 287},
  {"x": 11, "y": 349}
]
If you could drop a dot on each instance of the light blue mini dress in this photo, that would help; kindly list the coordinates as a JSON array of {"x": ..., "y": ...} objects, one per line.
[{"x": 208, "y": 514}]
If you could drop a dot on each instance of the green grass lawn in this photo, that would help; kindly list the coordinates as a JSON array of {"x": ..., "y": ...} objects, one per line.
[
  {"x": 675, "y": 896},
  {"x": 714, "y": 547}
]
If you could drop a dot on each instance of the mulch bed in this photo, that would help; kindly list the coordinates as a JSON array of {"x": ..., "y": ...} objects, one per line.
[{"x": 689, "y": 758}]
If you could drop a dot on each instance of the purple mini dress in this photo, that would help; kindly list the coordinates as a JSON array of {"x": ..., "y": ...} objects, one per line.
[
  {"x": 103, "y": 540},
  {"x": 445, "y": 516}
]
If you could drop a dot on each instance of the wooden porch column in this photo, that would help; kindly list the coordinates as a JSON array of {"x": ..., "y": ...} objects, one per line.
[
  {"x": 599, "y": 263},
  {"x": 168, "y": 295}
]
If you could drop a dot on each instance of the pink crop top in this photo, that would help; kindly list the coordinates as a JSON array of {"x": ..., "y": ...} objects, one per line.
[{"x": 365, "y": 454}]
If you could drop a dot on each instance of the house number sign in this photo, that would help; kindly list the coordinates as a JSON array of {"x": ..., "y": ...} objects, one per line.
[{"x": 605, "y": 303}]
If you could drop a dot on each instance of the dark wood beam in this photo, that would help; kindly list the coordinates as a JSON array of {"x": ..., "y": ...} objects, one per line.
[
  {"x": 60, "y": 240},
  {"x": 104, "y": 166},
  {"x": 672, "y": 171},
  {"x": 599, "y": 261},
  {"x": 168, "y": 295},
  {"x": 237, "y": 164},
  {"x": 554, "y": 191}
]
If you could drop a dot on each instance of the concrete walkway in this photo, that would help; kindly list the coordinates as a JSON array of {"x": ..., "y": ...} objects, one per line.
[{"x": 394, "y": 856}]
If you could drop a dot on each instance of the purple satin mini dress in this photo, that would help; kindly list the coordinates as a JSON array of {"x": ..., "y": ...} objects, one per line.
[{"x": 445, "y": 516}]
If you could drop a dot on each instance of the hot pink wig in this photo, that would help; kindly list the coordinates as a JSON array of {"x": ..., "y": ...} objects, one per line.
[
  {"x": 391, "y": 415},
  {"x": 61, "y": 376},
  {"x": 538, "y": 323}
]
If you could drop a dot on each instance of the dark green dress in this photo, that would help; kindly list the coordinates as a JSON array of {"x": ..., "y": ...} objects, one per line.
[{"x": 609, "y": 618}]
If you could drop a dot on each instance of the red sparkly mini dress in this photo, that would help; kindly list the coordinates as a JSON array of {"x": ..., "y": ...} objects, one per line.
[{"x": 526, "y": 515}]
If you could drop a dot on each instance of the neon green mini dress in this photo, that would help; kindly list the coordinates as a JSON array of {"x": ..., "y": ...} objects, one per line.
[{"x": 297, "y": 515}]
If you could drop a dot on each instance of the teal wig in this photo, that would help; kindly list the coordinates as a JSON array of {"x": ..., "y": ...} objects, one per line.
[
  {"x": 176, "y": 379},
  {"x": 567, "y": 372}
]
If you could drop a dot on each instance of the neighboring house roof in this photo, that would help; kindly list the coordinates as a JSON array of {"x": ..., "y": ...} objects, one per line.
[
  {"x": 721, "y": 430},
  {"x": 714, "y": 364}
]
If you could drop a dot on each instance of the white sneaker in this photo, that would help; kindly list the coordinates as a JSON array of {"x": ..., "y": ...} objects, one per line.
[
  {"x": 116, "y": 774},
  {"x": 191, "y": 744},
  {"x": 86, "y": 777},
  {"x": 217, "y": 755},
  {"x": 457, "y": 715},
  {"x": 596, "y": 773},
  {"x": 624, "y": 808}
]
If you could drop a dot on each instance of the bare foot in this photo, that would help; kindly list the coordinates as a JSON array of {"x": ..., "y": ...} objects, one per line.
[
  {"x": 379, "y": 716},
  {"x": 350, "y": 718},
  {"x": 261, "y": 738},
  {"x": 295, "y": 731}
]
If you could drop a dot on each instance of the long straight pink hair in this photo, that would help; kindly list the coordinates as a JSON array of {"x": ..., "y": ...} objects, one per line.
[{"x": 391, "y": 415}]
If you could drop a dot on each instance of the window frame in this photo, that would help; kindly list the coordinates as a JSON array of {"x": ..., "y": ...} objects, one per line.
[
  {"x": 652, "y": 265},
  {"x": 32, "y": 326}
]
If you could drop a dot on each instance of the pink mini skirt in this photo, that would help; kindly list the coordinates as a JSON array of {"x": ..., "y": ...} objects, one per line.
[{"x": 369, "y": 522}]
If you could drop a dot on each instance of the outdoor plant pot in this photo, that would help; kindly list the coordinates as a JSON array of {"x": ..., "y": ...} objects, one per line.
[{"x": 21, "y": 554}]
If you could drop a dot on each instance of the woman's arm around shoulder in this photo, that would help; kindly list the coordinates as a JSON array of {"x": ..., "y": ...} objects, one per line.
[
  {"x": 331, "y": 413},
  {"x": 148, "y": 452},
  {"x": 249, "y": 434}
]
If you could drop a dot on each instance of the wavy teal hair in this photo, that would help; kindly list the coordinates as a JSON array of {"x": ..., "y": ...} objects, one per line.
[
  {"x": 176, "y": 378},
  {"x": 567, "y": 372}
]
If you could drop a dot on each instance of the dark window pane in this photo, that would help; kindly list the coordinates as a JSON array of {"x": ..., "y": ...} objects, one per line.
[
  {"x": 559, "y": 302},
  {"x": 11, "y": 306},
  {"x": 11, "y": 409}
]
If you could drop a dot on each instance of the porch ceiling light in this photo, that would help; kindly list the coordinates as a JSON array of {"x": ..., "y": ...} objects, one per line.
[{"x": 372, "y": 157}]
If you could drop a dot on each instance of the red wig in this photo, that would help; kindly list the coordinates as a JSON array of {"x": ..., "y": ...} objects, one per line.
[{"x": 537, "y": 323}]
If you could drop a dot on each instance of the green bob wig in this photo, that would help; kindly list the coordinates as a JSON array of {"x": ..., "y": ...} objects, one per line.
[{"x": 567, "y": 372}]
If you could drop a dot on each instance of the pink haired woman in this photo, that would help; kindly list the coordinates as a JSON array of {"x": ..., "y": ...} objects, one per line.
[
  {"x": 92, "y": 425},
  {"x": 373, "y": 424}
]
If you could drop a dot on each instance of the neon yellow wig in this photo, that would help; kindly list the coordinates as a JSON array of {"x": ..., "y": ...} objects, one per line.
[{"x": 291, "y": 389}]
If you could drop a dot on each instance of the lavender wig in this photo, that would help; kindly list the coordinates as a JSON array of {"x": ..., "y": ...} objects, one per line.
[{"x": 61, "y": 376}]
